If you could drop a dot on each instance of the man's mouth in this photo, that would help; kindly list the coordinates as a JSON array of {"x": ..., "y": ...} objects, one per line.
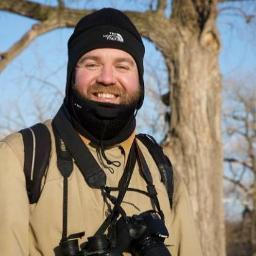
[
  {"x": 106, "y": 97},
  {"x": 109, "y": 94}
]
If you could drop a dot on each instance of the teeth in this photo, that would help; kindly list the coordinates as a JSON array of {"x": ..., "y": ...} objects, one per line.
[{"x": 105, "y": 95}]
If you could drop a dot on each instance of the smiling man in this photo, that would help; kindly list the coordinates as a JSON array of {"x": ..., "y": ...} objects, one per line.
[
  {"x": 91, "y": 185},
  {"x": 108, "y": 75}
]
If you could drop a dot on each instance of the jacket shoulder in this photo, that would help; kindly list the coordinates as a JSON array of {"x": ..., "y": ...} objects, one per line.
[{"x": 14, "y": 142}]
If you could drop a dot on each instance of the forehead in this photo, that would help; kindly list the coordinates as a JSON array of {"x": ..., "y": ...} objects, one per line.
[{"x": 108, "y": 54}]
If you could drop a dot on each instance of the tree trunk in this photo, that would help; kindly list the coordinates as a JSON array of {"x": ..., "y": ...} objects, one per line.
[
  {"x": 195, "y": 128},
  {"x": 195, "y": 140}
]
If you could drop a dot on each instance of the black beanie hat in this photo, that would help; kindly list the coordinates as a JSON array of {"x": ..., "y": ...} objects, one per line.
[{"x": 106, "y": 28}]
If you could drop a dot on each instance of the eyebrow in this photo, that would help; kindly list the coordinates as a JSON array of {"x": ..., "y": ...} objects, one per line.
[
  {"x": 83, "y": 58},
  {"x": 117, "y": 60},
  {"x": 124, "y": 59}
]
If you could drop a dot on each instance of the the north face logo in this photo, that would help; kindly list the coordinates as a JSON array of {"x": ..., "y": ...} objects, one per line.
[{"x": 114, "y": 37}]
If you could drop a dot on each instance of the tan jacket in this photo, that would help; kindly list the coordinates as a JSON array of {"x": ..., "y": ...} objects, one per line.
[{"x": 36, "y": 229}]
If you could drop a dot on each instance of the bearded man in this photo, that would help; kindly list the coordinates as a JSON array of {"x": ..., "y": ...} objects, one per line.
[{"x": 102, "y": 191}]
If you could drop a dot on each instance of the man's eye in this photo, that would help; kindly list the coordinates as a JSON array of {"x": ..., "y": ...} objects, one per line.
[
  {"x": 91, "y": 65},
  {"x": 123, "y": 67}
]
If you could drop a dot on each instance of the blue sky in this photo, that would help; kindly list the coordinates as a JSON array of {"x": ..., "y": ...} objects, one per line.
[{"x": 238, "y": 38}]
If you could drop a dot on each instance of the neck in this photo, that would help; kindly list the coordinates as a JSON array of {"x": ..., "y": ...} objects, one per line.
[{"x": 104, "y": 124}]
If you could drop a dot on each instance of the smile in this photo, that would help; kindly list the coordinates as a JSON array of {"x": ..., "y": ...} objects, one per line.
[{"x": 106, "y": 95}]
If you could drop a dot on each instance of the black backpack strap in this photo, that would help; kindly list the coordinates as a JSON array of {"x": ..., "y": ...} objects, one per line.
[
  {"x": 162, "y": 161},
  {"x": 37, "y": 149}
]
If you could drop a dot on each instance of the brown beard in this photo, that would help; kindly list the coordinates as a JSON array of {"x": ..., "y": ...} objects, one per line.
[{"x": 125, "y": 98}]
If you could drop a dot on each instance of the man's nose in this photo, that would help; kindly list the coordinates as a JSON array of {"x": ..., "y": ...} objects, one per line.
[{"x": 106, "y": 75}]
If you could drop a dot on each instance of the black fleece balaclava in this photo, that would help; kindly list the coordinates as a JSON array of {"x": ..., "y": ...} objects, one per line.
[{"x": 103, "y": 123}]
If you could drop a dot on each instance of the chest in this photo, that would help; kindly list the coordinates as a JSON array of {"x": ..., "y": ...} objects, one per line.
[{"x": 87, "y": 208}]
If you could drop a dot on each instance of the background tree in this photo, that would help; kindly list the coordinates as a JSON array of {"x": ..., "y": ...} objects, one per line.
[
  {"x": 190, "y": 45},
  {"x": 240, "y": 154}
]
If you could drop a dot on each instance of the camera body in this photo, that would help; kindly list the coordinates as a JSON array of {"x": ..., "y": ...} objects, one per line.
[{"x": 141, "y": 235}]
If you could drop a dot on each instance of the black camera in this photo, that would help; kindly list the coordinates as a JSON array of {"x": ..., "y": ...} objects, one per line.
[
  {"x": 141, "y": 235},
  {"x": 145, "y": 234}
]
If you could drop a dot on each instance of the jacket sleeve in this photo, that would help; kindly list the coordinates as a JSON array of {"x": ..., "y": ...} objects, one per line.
[
  {"x": 14, "y": 205},
  {"x": 183, "y": 225}
]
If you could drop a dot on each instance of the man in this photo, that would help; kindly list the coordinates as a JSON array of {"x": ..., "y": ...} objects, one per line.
[{"x": 97, "y": 179}]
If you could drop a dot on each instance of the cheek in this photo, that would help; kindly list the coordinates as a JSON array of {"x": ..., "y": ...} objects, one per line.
[
  {"x": 82, "y": 80},
  {"x": 131, "y": 83}
]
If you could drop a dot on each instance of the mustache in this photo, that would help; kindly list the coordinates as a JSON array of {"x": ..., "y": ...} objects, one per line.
[{"x": 112, "y": 89}]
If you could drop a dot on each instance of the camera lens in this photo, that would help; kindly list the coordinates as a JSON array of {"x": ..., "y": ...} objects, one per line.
[
  {"x": 149, "y": 246},
  {"x": 156, "y": 251},
  {"x": 70, "y": 247},
  {"x": 97, "y": 245}
]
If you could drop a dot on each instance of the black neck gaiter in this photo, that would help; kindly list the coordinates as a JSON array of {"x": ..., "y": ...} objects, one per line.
[{"x": 105, "y": 124}]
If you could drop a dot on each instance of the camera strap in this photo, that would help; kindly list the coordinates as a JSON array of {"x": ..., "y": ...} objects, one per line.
[
  {"x": 162, "y": 161},
  {"x": 65, "y": 166},
  {"x": 94, "y": 176},
  {"x": 122, "y": 188},
  {"x": 135, "y": 153},
  {"x": 69, "y": 146},
  {"x": 145, "y": 173}
]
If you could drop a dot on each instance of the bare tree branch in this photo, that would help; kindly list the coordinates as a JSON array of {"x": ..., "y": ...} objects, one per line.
[
  {"x": 237, "y": 161},
  {"x": 248, "y": 18},
  {"x": 27, "y": 8},
  {"x": 161, "y": 6},
  {"x": 55, "y": 17},
  {"x": 26, "y": 39},
  {"x": 237, "y": 183},
  {"x": 230, "y": 1},
  {"x": 17, "y": 121},
  {"x": 43, "y": 12},
  {"x": 236, "y": 117},
  {"x": 61, "y": 4},
  {"x": 51, "y": 85}
]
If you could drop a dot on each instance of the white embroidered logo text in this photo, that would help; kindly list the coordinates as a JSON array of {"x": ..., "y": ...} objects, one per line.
[{"x": 114, "y": 37}]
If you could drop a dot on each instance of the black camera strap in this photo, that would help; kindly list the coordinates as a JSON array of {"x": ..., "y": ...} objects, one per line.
[
  {"x": 122, "y": 188},
  {"x": 162, "y": 161},
  {"x": 68, "y": 146},
  {"x": 94, "y": 176},
  {"x": 65, "y": 166},
  {"x": 145, "y": 173}
]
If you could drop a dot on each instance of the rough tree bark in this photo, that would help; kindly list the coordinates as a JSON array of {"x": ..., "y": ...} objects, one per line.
[
  {"x": 195, "y": 134},
  {"x": 190, "y": 44}
]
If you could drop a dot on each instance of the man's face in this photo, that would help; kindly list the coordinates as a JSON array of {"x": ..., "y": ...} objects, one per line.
[{"x": 107, "y": 75}]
